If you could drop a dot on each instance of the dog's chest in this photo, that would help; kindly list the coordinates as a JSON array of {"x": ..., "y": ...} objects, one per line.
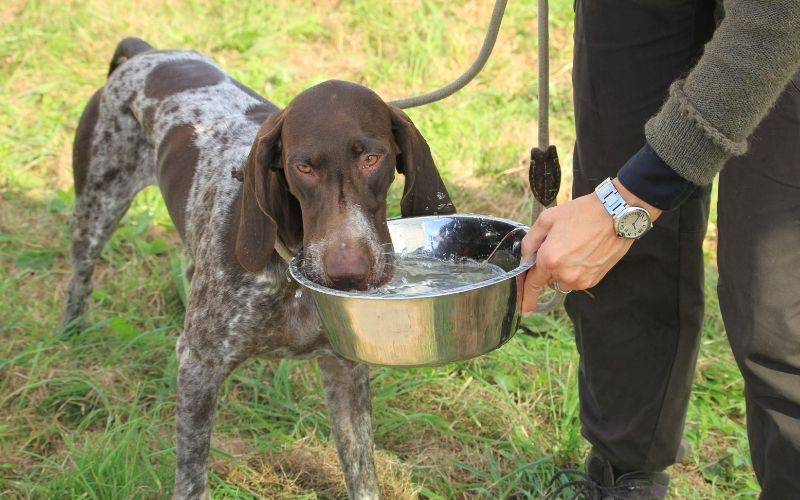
[{"x": 245, "y": 315}]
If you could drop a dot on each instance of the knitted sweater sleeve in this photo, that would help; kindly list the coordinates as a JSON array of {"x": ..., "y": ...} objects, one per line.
[{"x": 708, "y": 117}]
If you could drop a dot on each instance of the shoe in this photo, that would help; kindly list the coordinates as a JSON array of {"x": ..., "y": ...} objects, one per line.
[{"x": 599, "y": 482}]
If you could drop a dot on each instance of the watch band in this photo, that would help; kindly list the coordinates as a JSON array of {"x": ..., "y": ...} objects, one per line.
[{"x": 610, "y": 198}]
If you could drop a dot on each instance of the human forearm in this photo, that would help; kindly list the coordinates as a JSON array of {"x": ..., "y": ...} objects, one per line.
[{"x": 744, "y": 68}]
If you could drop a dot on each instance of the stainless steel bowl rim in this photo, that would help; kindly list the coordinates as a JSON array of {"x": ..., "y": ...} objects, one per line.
[{"x": 297, "y": 275}]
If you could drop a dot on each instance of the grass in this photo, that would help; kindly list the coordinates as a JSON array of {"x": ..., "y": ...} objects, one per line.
[{"x": 92, "y": 416}]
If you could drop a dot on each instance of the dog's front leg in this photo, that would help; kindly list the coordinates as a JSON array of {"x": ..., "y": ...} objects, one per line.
[
  {"x": 198, "y": 382},
  {"x": 349, "y": 410}
]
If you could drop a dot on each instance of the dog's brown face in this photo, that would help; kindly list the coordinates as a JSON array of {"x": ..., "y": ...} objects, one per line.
[
  {"x": 336, "y": 148},
  {"x": 338, "y": 155}
]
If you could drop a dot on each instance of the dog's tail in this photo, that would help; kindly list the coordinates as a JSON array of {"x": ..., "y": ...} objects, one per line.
[{"x": 126, "y": 49}]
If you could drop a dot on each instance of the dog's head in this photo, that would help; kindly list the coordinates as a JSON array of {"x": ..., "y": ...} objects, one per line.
[{"x": 319, "y": 172}]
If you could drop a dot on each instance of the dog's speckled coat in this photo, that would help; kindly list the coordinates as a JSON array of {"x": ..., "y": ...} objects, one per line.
[{"x": 238, "y": 175}]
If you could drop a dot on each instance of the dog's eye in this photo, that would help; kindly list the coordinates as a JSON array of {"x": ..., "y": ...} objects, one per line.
[
  {"x": 303, "y": 168},
  {"x": 370, "y": 160}
]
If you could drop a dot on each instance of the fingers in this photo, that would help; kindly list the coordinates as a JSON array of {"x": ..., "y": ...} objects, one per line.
[
  {"x": 535, "y": 281},
  {"x": 535, "y": 237},
  {"x": 536, "y": 278}
]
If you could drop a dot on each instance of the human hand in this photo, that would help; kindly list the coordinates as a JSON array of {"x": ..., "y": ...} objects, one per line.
[{"x": 575, "y": 245}]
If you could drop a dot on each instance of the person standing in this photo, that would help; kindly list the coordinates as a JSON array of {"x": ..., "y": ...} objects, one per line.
[{"x": 667, "y": 93}]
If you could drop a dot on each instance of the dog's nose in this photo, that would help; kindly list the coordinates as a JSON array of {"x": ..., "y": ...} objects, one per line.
[{"x": 348, "y": 268}]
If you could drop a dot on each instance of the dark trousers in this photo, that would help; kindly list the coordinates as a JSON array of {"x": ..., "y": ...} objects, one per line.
[{"x": 638, "y": 335}]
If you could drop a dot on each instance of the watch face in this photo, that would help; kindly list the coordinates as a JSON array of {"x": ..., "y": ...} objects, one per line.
[{"x": 633, "y": 223}]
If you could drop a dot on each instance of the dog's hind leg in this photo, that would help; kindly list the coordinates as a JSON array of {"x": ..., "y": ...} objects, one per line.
[
  {"x": 111, "y": 162},
  {"x": 349, "y": 410}
]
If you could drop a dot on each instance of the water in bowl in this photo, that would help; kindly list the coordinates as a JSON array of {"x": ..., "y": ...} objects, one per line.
[{"x": 418, "y": 274}]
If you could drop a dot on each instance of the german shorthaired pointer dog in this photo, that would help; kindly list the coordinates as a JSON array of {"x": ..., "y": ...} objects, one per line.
[{"x": 245, "y": 182}]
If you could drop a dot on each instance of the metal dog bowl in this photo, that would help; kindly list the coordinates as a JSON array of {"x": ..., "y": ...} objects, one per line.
[{"x": 429, "y": 328}]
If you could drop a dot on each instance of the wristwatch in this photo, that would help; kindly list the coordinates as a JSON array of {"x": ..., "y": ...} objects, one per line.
[{"x": 629, "y": 222}]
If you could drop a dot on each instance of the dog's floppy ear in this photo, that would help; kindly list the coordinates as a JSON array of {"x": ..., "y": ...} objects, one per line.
[
  {"x": 258, "y": 231},
  {"x": 424, "y": 192}
]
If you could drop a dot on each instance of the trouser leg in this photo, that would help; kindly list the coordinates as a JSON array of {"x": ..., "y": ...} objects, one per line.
[
  {"x": 638, "y": 332},
  {"x": 759, "y": 289}
]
